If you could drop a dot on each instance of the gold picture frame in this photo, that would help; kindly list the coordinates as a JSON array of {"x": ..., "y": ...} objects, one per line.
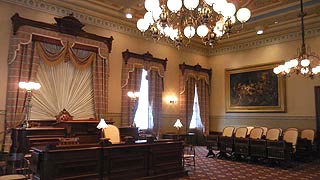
[{"x": 254, "y": 89}]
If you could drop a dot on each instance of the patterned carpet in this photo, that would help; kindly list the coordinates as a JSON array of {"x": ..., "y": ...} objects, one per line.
[{"x": 213, "y": 168}]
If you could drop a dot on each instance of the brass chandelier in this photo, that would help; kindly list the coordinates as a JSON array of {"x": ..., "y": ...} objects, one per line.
[
  {"x": 179, "y": 21},
  {"x": 306, "y": 63}
]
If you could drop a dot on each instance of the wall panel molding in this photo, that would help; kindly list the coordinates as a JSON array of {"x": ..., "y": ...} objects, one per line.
[{"x": 264, "y": 117}]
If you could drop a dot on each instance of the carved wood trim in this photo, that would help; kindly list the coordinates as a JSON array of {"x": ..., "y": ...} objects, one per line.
[
  {"x": 146, "y": 57},
  {"x": 196, "y": 67},
  {"x": 67, "y": 25}
]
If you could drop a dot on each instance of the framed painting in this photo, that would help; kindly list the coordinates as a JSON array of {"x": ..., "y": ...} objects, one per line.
[{"x": 254, "y": 89}]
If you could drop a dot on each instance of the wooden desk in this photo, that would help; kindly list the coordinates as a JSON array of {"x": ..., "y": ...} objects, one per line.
[
  {"x": 158, "y": 160},
  {"x": 24, "y": 138}
]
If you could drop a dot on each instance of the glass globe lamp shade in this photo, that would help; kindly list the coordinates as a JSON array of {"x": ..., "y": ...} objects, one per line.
[
  {"x": 305, "y": 62},
  {"x": 219, "y": 6},
  {"x": 22, "y": 85},
  {"x": 167, "y": 31},
  {"x": 150, "y": 5},
  {"x": 36, "y": 86},
  {"x": 288, "y": 64},
  {"x": 217, "y": 31},
  {"x": 156, "y": 13},
  {"x": 202, "y": 30},
  {"x": 229, "y": 10},
  {"x": 189, "y": 31},
  {"x": 142, "y": 25},
  {"x": 304, "y": 70},
  {"x": 276, "y": 70},
  {"x": 243, "y": 15},
  {"x": 148, "y": 17},
  {"x": 294, "y": 62},
  {"x": 173, "y": 34},
  {"x": 316, "y": 70},
  {"x": 191, "y": 4},
  {"x": 209, "y": 2},
  {"x": 174, "y": 5}
]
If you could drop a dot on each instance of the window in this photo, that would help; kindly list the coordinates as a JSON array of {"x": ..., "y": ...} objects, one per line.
[
  {"x": 143, "y": 117},
  {"x": 196, "y": 119}
]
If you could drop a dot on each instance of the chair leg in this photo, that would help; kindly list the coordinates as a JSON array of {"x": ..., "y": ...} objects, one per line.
[{"x": 211, "y": 154}]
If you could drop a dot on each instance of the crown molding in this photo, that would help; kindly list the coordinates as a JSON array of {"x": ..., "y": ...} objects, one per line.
[{"x": 101, "y": 20}]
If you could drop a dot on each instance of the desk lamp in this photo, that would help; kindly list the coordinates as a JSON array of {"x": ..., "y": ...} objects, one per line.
[
  {"x": 102, "y": 124},
  {"x": 178, "y": 125}
]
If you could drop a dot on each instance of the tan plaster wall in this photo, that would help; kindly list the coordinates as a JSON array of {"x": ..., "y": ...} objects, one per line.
[
  {"x": 121, "y": 42},
  {"x": 299, "y": 90}
]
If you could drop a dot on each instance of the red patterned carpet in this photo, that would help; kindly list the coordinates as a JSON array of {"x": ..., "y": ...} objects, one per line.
[{"x": 213, "y": 168}]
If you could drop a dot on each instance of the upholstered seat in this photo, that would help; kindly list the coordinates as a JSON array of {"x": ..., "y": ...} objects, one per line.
[
  {"x": 225, "y": 142},
  {"x": 112, "y": 132}
]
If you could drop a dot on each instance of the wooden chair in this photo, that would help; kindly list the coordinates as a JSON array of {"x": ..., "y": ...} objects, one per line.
[
  {"x": 225, "y": 142},
  {"x": 212, "y": 143},
  {"x": 18, "y": 167},
  {"x": 189, "y": 156},
  {"x": 112, "y": 132}
]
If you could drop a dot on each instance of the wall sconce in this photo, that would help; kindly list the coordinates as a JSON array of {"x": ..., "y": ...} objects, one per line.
[
  {"x": 29, "y": 87},
  {"x": 172, "y": 99},
  {"x": 102, "y": 124}
]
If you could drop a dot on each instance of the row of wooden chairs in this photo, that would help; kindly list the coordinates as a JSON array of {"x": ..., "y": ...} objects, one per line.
[{"x": 260, "y": 142}]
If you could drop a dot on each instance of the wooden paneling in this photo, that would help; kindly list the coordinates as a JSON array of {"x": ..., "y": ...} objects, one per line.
[{"x": 158, "y": 160}]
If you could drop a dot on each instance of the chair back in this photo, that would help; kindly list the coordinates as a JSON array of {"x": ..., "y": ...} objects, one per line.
[
  {"x": 292, "y": 128},
  {"x": 228, "y": 131},
  {"x": 308, "y": 134},
  {"x": 273, "y": 134},
  {"x": 291, "y": 136},
  {"x": 265, "y": 129},
  {"x": 256, "y": 133},
  {"x": 249, "y": 130},
  {"x": 113, "y": 133},
  {"x": 241, "y": 132}
]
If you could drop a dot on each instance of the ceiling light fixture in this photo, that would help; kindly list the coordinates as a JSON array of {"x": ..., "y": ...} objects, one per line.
[
  {"x": 306, "y": 63},
  {"x": 128, "y": 13},
  {"x": 259, "y": 30},
  {"x": 179, "y": 22}
]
